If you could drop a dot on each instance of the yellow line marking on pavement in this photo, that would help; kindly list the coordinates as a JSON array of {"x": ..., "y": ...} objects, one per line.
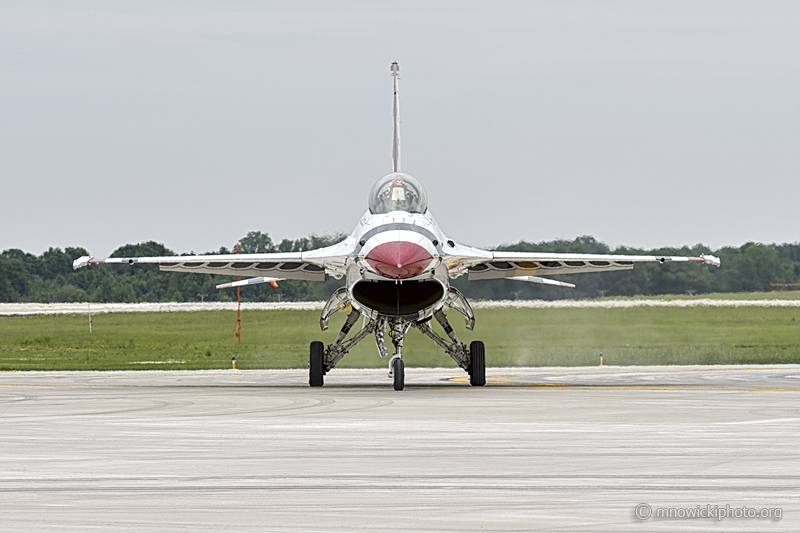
[
  {"x": 611, "y": 370},
  {"x": 638, "y": 387}
]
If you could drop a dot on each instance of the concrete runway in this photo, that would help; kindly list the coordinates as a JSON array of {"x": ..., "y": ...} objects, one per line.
[{"x": 547, "y": 449}]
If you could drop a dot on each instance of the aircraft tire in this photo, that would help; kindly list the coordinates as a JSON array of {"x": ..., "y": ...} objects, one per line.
[
  {"x": 399, "y": 372},
  {"x": 316, "y": 371},
  {"x": 477, "y": 375}
]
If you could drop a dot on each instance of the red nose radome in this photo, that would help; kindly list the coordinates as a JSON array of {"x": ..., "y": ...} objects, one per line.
[{"x": 399, "y": 259}]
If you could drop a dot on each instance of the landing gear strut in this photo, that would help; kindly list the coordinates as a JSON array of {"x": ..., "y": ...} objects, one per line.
[
  {"x": 396, "y": 365},
  {"x": 322, "y": 359}
]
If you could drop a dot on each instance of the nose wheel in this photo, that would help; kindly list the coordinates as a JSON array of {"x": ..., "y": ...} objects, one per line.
[{"x": 398, "y": 373}]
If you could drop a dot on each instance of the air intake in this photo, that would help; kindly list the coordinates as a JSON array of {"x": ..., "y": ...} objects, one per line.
[{"x": 398, "y": 299}]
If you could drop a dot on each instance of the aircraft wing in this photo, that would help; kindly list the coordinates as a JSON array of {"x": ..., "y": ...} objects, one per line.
[
  {"x": 311, "y": 265},
  {"x": 482, "y": 264}
]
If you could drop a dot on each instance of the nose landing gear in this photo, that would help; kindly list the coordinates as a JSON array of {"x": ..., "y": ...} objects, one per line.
[{"x": 396, "y": 365}]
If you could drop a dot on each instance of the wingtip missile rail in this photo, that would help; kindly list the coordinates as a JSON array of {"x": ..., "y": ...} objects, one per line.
[
  {"x": 544, "y": 281},
  {"x": 707, "y": 259},
  {"x": 250, "y": 281}
]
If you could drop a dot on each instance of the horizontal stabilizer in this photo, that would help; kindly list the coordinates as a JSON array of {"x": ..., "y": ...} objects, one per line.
[
  {"x": 251, "y": 281},
  {"x": 545, "y": 281}
]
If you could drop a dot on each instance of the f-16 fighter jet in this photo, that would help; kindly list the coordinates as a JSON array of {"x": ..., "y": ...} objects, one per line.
[{"x": 397, "y": 266}]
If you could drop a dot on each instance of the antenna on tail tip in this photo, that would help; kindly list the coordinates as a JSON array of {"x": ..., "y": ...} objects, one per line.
[{"x": 395, "y": 70}]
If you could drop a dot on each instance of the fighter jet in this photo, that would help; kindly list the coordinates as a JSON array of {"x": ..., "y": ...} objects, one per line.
[{"x": 397, "y": 266}]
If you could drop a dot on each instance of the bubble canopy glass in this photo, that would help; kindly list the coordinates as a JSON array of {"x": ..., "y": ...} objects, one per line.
[{"x": 397, "y": 192}]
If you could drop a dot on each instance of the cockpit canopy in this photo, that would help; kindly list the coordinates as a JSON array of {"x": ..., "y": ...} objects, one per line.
[{"x": 397, "y": 192}]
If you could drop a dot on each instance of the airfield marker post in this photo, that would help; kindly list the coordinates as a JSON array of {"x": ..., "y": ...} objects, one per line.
[
  {"x": 601, "y": 358},
  {"x": 237, "y": 329}
]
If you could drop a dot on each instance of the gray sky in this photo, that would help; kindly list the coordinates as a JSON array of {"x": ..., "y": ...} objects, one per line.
[{"x": 190, "y": 123}]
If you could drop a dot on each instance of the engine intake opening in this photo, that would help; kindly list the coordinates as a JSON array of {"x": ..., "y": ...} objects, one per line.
[{"x": 398, "y": 299}]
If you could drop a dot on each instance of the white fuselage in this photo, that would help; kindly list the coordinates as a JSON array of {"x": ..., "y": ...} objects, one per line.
[{"x": 399, "y": 256}]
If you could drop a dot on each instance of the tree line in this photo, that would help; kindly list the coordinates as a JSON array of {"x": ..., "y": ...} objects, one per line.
[{"x": 49, "y": 277}]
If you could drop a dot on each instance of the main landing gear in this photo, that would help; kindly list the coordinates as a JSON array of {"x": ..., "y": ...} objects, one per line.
[
  {"x": 316, "y": 369},
  {"x": 322, "y": 360},
  {"x": 477, "y": 364},
  {"x": 474, "y": 359}
]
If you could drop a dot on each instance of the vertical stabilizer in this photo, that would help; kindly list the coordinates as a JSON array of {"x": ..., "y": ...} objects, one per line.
[{"x": 395, "y": 69}]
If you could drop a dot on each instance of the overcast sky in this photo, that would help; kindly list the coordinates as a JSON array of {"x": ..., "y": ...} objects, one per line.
[{"x": 191, "y": 123}]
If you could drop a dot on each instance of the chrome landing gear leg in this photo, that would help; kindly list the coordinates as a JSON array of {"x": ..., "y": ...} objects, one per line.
[
  {"x": 380, "y": 337},
  {"x": 455, "y": 348},
  {"x": 340, "y": 347}
]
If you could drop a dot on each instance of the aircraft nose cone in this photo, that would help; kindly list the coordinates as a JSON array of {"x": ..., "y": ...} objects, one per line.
[{"x": 399, "y": 259}]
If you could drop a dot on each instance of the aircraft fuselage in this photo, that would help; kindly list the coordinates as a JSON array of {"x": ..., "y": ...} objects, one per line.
[{"x": 398, "y": 271}]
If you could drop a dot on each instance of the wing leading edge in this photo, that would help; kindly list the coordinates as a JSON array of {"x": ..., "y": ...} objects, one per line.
[
  {"x": 311, "y": 266},
  {"x": 499, "y": 265}
]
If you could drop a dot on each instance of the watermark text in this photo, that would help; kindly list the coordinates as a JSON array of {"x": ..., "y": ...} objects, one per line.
[{"x": 644, "y": 511}]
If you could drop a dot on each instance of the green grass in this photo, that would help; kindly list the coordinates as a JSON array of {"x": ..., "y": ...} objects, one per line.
[{"x": 513, "y": 337}]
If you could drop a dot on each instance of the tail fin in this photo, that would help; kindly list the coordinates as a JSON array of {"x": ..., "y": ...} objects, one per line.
[{"x": 395, "y": 70}]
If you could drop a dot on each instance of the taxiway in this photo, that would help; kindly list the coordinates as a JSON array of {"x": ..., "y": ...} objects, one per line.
[{"x": 547, "y": 449}]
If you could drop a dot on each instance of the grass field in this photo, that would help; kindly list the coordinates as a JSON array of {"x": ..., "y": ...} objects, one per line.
[
  {"x": 513, "y": 337},
  {"x": 773, "y": 295}
]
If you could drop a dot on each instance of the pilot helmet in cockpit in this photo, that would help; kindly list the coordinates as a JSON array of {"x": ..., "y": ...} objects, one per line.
[{"x": 398, "y": 192}]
